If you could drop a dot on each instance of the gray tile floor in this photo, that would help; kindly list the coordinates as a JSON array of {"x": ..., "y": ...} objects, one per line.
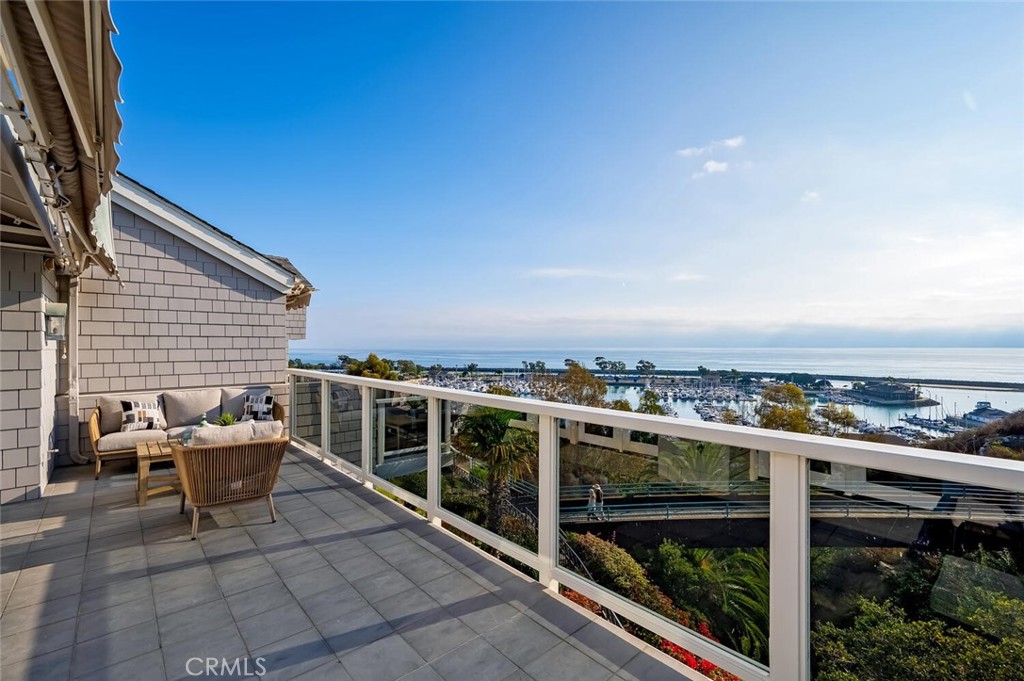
[{"x": 346, "y": 585}]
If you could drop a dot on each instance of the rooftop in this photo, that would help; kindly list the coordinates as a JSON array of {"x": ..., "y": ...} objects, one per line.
[{"x": 346, "y": 584}]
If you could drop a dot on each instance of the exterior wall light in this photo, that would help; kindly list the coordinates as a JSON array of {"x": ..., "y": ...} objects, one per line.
[{"x": 55, "y": 317}]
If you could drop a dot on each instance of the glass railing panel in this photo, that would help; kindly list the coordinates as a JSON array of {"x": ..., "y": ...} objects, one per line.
[
  {"x": 679, "y": 527},
  {"x": 914, "y": 577},
  {"x": 346, "y": 415},
  {"x": 398, "y": 436},
  {"x": 307, "y": 418},
  {"x": 489, "y": 469}
]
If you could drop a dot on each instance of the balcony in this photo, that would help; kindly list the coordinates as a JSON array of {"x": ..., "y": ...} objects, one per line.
[
  {"x": 458, "y": 579},
  {"x": 345, "y": 585}
]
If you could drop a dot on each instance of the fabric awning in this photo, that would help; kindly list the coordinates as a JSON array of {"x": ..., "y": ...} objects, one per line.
[{"x": 67, "y": 76}]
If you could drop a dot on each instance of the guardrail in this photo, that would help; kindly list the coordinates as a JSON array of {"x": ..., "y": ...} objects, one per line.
[{"x": 789, "y": 506}]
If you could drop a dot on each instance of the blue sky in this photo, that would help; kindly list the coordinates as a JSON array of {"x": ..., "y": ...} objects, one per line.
[{"x": 638, "y": 174}]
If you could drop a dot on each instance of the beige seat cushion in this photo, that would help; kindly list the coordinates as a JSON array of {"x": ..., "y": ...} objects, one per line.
[
  {"x": 188, "y": 407},
  {"x": 127, "y": 440},
  {"x": 222, "y": 435},
  {"x": 232, "y": 400},
  {"x": 266, "y": 430},
  {"x": 111, "y": 414}
]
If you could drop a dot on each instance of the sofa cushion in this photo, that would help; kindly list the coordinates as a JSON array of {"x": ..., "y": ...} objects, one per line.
[
  {"x": 178, "y": 431},
  {"x": 222, "y": 435},
  {"x": 111, "y": 414},
  {"x": 266, "y": 430},
  {"x": 140, "y": 415},
  {"x": 232, "y": 400},
  {"x": 188, "y": 407},
  {"x": 128, "y": 439}
]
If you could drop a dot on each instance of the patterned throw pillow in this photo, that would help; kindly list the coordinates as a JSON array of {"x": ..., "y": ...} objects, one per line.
[
  {"x": 140, "y": 416},
  {"x": 258, "y": 407}
]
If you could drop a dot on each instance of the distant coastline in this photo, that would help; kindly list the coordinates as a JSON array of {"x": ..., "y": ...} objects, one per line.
[
  {"x": 989, "y": 368},
  {"x": 635, "y": 377}
]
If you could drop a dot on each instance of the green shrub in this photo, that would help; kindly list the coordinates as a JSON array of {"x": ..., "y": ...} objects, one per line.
[
  {"x": 226, "y": 419},
  {"x": 882, "y": 645}
]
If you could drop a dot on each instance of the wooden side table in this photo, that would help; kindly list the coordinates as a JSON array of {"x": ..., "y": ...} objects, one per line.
[{"x": 150, "y": 453}]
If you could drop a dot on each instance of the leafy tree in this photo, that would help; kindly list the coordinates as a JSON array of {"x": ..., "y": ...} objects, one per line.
[
  {"x": 436, "y": 370},
  {"x": 409, "y": 368},
  {"x": 784, "y": 407},
  {"x": 703, "y": 371},
  {"x": 882, "y": 645},
  {"x": 372, "y": 367},
  {"x": 620, "y": 404},
  {"x": 838, "y": 418},
  {"x": 602, "y": 363},
  {"x": 613, "y": 568},
  {"x": 472, "y": 368},
  {"x": 650, "y": 403},
  {"x": 617, "y": 368},
  {"x": 569, "y": 362},
  {"x": 500, "y": 390},
  {"x": 731, "y": 417},
  {"x": 645, "y": 367},
  {"x": 484, "y": 433},
  {"x": 575, "y": 386}
]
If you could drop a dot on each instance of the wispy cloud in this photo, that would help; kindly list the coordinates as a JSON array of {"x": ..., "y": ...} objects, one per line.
[
  {"x": 969, "y": 101},
  {"x": 729, "y": 143},
  {"x": 710, "y": 168},
  {"x": 693, "y": 151},
  {"x": 687, "y": 276},
  {"x": 569, "y": 273},
  {"x": 810, "y": 197}
]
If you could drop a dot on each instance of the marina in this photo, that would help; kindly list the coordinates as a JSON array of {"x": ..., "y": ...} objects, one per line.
[{"x": 708, "y": 401}]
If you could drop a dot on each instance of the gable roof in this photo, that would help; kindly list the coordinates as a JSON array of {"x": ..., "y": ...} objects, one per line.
[{"x": 171, "y": 217}]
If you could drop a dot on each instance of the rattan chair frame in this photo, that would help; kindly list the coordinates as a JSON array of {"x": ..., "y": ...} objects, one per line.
[{"x": 214, "y": 475}]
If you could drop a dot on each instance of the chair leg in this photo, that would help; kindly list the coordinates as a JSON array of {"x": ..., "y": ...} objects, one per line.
[
  {"x": 270, "y": 506},
  {"x": 98, "y": 464},
  {"x": 195, "y": 522},
  {"x": 181, "y": 508}
]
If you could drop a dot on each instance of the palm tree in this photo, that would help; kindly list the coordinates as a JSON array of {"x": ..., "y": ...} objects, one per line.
[
  {"x": 730, "y": 586},
  {"x": 484, "y": 433}
]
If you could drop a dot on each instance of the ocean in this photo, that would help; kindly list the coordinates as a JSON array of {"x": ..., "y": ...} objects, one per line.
[{"x": 961, "y": 364}]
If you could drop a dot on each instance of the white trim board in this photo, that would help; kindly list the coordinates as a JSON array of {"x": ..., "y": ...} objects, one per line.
[{"x": 173, "y": 220}]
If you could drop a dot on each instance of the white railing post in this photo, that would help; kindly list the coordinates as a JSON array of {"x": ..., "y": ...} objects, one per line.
[
  {"x": 366, "y": 403},
  {"x": 433, "y": 459},
  {"x": 325, "y": 418},
  {"x": 789, "y": 540},
  {"x": 547, "y": 501},
  {"x": 293, "y": 403}
]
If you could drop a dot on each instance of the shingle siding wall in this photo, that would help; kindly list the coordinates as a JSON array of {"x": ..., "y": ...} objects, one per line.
[
  {"x": 183, "y": 319},
  {"x": 345, "y": 415},
  {"x": 296, "y": 320},
  {"x": 28, "y": 376}
]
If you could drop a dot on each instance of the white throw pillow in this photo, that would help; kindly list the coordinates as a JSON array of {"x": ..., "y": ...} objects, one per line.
[
  {"x": 223, "y": 435},
  {"x": 266, "y": 430},
  {"x": 258, "y": 407},
  {"x": 140, "y": 416}
]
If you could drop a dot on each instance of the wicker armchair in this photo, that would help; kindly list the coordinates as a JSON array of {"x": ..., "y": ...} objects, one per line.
[{"x": 212, "y": 475}]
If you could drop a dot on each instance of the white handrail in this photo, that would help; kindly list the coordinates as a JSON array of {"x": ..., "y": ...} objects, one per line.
[{"x": 789, "y": 520}]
